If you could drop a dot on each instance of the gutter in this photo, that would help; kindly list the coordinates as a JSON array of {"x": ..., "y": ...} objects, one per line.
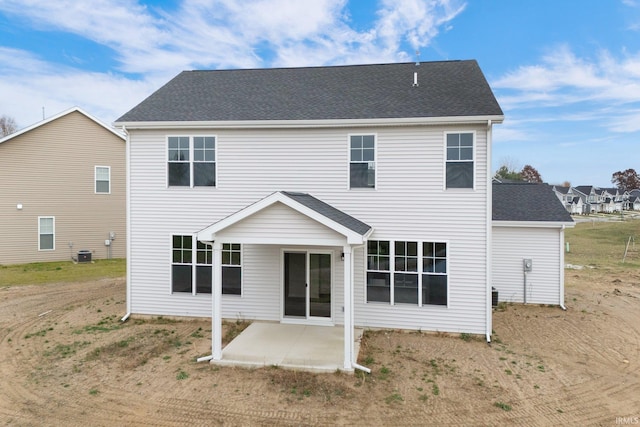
[{"x": 489, "y": 234}]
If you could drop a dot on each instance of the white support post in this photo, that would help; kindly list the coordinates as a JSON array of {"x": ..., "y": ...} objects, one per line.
[
  {"x": 348, "y": 317},
  {"x": 216, "y": 303}
]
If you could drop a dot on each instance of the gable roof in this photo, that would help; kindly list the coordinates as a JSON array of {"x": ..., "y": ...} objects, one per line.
[
  {"x": 561, "y": 189},
  {"x": 57, "y": 116},
  {"x": 379, "y": 91},
  {"x": 584, "y": 189},
  {"x": 329, "y": 211},
  {"x": 527, "y": 202},
  {"x": 353, "y": 229}
]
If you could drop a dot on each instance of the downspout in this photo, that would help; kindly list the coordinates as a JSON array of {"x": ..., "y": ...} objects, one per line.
[
  {"x": 128, "y": 221},
  {"x": 562, "y": 306},
  {"x": 489, "y": 232},
  {"x": 354, "y": 362}
]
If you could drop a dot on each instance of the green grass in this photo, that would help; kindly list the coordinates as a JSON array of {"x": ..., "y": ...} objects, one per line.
[
  {"x": 62, "y": 271},
  {"x": 602, "y": 244}
]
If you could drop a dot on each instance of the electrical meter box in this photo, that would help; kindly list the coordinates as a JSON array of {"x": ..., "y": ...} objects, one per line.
[{"x": 527, "y": 264}]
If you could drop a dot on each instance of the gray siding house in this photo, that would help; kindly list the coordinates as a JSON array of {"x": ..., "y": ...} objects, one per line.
[
  {"x": 63, "y": 190},
  {"x": 319, "y": 195},
  {"x": 528, "y": 243}
]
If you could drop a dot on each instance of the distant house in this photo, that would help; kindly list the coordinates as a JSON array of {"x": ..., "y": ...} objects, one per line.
[
  {"x": 62, "y": 182},
  {"x": 528, "y": 243},
  {"x": 634, "y": 203}
]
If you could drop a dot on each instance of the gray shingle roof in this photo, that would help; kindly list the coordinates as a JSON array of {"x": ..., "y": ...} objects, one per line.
[
  {"x": 527, "y": 202},
  {"x": 447, "y": 88},
  {"x": 329, "y": 211}
]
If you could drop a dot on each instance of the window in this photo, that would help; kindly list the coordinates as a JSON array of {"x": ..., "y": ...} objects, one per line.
[
  {"x": 204, "y": 260},
  {"x": 362, "y": 165},
  {"x": 46, "y": 233},
  {"x": 181, "y": 267},
  {"x": 459, "y": 168},
  {"x": 231, "y": 268},
  {"x": 403, "y": 281},
  {"x": 378, "y": 271},
  {"x": 184, "y": 265},
  {"x": 185, "y": 172},
  {"x": 434, "y": 273},
  {"x": 103, "y": 179}
]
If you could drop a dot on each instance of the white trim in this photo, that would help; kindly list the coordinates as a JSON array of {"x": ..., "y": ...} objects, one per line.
[
  {"x": 533, "y": 224},
  {"x": 53, "y": 218},
  {"x": 474, "y": 160},
  {"x": 271, "y": 124},
  {"x": 57, "y": 116},
  {"x": 95, "y": 179},
  {"x": 489, "y": 238},
  {"x": 209, "y": 233},
  {"x": 128, "y": 217}
]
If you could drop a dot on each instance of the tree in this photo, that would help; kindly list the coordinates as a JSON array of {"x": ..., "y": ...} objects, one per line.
[
  {"x": 530, "y": 174},
  {"x": 626, "y": 180},
  {"x": 7, "y": 126},
  {"x": 505, "y": 173}
]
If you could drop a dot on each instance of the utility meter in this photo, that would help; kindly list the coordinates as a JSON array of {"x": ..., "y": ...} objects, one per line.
[{"x": 527, "y": 264}]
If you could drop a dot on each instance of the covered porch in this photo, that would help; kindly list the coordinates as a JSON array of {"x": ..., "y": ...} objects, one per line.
[
  {"x": 291, "y": 346},
  {"x": 316, "y": 243}
]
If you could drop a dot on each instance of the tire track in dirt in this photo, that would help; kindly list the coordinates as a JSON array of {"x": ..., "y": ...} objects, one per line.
[{"x": 26, "y": 311}]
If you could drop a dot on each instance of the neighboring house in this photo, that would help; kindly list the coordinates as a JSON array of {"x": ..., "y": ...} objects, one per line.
[
  {"x": 634, "y": 203},
  {"x": 576, "y": 206},
  {"x": 62, "y": 183},
  {"x": 572, "y": 200},
  {"x": 528, "y": 244},
  {"x": 320, "y": 195},
  {"x": 591, "y": 199}
]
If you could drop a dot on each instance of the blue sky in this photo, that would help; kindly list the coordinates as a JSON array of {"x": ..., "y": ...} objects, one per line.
[{"x": 566, "y": 73}]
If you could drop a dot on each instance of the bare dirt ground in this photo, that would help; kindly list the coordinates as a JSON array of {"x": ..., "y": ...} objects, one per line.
[{"x": 65, "y": 359}]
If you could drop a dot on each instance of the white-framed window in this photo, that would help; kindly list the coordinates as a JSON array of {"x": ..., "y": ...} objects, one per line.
[
  {"x": 232, "y": 268},
  {"x": 459, "y": 171},
  {"x": 362, "y": 161},
  {"x": 192, "y": 266},
  {"x": 102, "y": 176},
  {"x": 46, "y": 233},
  {"x": 191, "y": 161},
  {"x": 434, "y": 273},
  {"x": 418, "y": 274}
]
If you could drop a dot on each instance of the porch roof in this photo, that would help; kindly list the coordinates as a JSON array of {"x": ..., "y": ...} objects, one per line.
[{"x": 354, "y": 230}]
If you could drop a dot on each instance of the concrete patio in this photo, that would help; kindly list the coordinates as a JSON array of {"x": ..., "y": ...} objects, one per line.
[{"x": 302, "y": 347}]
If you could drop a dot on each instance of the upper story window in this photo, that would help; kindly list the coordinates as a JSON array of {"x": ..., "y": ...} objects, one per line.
[
  {"x": 192, "y": 161},
  {"x": 46, "y": 233},
  {"x": 459, "y": 168},
  {"x": 362, "y": 161},
  {"x": 103, "y": 179}
]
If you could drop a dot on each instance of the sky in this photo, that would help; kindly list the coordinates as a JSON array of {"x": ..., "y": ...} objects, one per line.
[{"x": 566, "y": 73}]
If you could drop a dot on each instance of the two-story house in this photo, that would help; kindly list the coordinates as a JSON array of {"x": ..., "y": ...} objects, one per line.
[
  {"x": 63, "y": 190},
  {"x": 319, "y": 195}
]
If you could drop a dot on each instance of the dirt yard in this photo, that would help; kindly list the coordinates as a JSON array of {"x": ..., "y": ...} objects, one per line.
[{"x": 65, "y": 359}]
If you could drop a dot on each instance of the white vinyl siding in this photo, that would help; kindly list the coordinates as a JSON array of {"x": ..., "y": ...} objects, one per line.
[
  {"x": 409, "y": 204},
  {"x": 542, "y": 245}
]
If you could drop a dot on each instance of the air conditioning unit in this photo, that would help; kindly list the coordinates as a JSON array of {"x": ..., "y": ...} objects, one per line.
[{"x": 84, "y": 255}]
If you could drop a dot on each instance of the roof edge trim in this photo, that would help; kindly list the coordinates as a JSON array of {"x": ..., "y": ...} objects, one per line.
[
  {"x": 533, "y": 224},
  {"x": 262, "y": 124}
]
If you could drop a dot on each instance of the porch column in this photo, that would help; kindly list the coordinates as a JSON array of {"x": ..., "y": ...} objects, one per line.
[
  {"x": 216, "y": 302},
  {"x": 348, "y": 296}
]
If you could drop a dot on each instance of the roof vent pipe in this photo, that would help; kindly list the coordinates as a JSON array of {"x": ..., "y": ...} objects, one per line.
[{"x": 415, "y": 79}]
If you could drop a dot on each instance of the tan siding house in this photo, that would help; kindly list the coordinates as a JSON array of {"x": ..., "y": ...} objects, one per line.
[{"x": 62, "y": 190}]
